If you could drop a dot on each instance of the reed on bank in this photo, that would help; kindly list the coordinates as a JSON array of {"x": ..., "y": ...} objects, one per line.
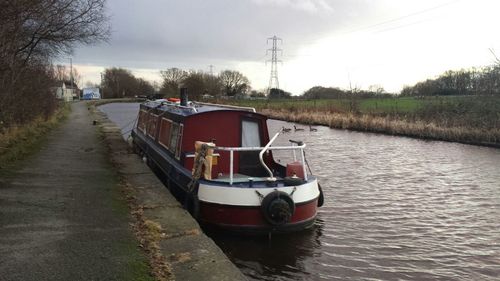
[{"x": 473, "y": 120}]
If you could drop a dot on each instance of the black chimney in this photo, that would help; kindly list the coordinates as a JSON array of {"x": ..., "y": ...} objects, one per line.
[{"x": 184, "y": 96}]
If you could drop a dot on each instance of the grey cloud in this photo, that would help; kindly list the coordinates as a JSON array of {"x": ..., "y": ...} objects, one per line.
[{"x": 153, "y": 34}]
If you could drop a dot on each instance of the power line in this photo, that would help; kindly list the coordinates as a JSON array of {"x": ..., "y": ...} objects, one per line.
[
  {"x": 273, "y": 79},
  {"x": 313, "y": 40},
  {"x": 400, "y": 26},
  {"x": 381, "y": 24},
  {"x": 402, "y": 17}
]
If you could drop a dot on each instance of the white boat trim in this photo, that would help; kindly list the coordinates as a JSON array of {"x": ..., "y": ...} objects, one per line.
[{"x": 238, "y": 196}]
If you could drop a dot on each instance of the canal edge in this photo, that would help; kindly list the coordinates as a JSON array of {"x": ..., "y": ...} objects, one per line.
[{"x": 172, "y": 240}]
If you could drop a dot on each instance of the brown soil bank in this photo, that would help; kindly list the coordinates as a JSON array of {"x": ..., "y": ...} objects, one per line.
[{"x": 392, "y": 126}]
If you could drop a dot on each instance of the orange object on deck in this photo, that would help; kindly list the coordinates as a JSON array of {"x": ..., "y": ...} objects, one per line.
[
  {"x": 295, "y": 168},
  {"x": 174, "y": 99}
]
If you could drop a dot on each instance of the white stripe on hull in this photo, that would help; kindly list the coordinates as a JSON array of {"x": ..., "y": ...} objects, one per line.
[{"x": 239, "y": 196}]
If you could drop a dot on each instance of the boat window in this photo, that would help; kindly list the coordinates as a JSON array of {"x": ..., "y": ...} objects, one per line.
[
  {"x": 164, "y": 137},
  {"x": 152, "y": 125},
  {"x": 174, "y": 135},
  {"x": 249, "y": 161},
  {"x": 250, "y": 135}
]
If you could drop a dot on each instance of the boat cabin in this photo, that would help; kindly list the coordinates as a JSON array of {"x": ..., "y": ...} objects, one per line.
[{"x": 176, "y": 129}]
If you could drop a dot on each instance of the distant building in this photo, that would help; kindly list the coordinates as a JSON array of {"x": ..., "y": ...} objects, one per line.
[
  {"x": 91, "y": 94},
  {"x": 68, "y": 91}
]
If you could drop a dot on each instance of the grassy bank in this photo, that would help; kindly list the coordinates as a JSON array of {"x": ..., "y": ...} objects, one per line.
[
  {"x": 105, "y": 101},
  {"x": 17, "y": 142},
  {"x": 473, "y": 120}
]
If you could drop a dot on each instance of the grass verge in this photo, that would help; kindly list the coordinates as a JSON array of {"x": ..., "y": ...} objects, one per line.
[
  {"x": 18, "y": 142},
  {"x": 148, "y": 233},
  {"x": 138, "y": 265},
  {"x": 97, "y": 103}
]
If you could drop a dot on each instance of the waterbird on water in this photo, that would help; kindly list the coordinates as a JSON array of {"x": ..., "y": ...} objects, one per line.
[
  {"x": 286, "y": 130},
  {"x": 297, "y": 129},
  {"x": 312, "y": 129}
]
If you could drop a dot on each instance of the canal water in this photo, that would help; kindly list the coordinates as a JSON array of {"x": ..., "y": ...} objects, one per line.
[{"x": 395, "y": 208}]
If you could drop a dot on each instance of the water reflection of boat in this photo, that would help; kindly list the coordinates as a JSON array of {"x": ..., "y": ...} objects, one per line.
[
  {"x": 266, "y": 259},
  {"x": 219, "y": 160}
]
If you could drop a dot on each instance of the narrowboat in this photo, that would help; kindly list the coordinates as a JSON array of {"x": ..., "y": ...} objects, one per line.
[{"x": 218, "y": 161}]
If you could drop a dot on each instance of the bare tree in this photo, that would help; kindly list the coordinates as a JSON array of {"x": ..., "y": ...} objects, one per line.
[
  {"x": 195, "y": 83},
  {"x": 32, "y": 32},
  {"x": 47, "y": 28},
  {"x": 144, "y": 87},
  {"x": 234, "y": 83},
  {"x": 62, "y": 73},
  {"x": 172, "y": 79},
  {"x": 377, "y": 89},
  {"x": 213, "y": 85},
  {"x": 119, "y": 82}
]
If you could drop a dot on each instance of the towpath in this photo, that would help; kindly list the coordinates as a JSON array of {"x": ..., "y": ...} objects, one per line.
[{"x": 61, "y": 216}]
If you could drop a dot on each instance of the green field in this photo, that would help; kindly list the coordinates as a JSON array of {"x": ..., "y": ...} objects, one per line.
[
  {"x": 370, "y": 105},
  {"x": 465, "y": 111},
  {"x": 367, "y": 106}
]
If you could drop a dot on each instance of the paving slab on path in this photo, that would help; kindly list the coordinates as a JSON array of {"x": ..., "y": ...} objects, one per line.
[{"x": 61, "y": 216}]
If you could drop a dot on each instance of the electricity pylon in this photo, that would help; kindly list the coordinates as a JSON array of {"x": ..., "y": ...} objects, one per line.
[{"x": 273, "y": 79}]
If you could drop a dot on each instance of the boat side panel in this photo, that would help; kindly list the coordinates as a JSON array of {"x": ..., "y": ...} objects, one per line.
[
  {"x": 163, "y": 160},
  {"x": 222, "y": 126}
]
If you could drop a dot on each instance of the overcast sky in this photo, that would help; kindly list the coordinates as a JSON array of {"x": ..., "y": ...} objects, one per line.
[{"x": 390, "y": 43}]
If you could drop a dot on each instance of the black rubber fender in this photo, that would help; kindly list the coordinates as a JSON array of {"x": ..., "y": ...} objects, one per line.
[
  {"x": 277, "y": 208},
  {"x": 293, "y": 181},
  {"x": 321, "y": 198}
]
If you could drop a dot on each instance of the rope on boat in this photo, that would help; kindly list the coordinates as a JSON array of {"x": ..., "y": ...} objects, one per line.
[
  {"x": 129, "y": 123},
  {"x": 199, "y": 161},
  {"x": 191, "y": 201}
]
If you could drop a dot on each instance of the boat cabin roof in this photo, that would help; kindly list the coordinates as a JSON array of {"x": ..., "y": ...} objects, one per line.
[{"x": 193, "y": 107}]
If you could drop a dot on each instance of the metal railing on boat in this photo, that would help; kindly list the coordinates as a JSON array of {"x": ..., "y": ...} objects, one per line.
[{"x": 295, "y": 146}]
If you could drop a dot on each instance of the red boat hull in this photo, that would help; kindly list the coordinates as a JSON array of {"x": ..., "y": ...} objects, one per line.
[{"x": 251, "y": 219}]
